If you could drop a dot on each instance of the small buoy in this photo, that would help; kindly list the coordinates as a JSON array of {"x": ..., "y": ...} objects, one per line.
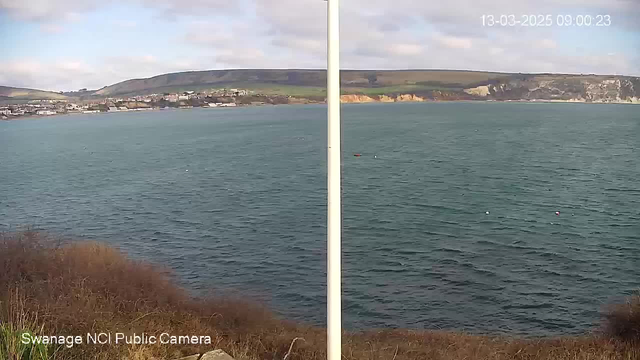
[
  {"x": 357, "y": 155},
  {"x": 558, "y": 213},
  {"x": 187, "y": 170},
  {"x": 375, "y": 156},
  {"x": 487, "y": 213}
]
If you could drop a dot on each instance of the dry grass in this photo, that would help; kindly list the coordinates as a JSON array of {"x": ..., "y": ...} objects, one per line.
[
  {"x": 623, "y": 320},
  {"x": 86, "y": 287},
  {"x": 19, "y": 321}
]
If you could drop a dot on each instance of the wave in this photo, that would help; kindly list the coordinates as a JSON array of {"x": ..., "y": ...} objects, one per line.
[{"x": 543, "y": 305}]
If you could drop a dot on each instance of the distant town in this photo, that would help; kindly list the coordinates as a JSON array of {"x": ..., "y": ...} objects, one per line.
[{"x": 213, "y": 98}]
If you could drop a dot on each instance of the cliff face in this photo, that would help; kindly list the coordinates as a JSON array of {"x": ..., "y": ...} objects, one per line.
[
  {"x": 409, "y": 98},
  {"x": 353, "y": 99},
  {"x": 407, "y": 85},
  {"x": 601, "y": 89}
]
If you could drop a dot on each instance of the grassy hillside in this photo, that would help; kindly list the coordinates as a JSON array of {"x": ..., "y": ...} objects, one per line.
[
  {"x": 12, "y": 93},
  {"x": 301, "y": 82},
  {"x": 75, "y": 288},
  {"x": 311, "y": 84}
]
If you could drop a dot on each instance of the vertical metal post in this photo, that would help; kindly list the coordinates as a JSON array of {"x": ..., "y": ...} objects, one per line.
[{"x": 334, "y": 214}]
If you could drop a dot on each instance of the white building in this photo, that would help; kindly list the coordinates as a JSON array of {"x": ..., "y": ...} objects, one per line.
[{"x": 45, "y": 112}]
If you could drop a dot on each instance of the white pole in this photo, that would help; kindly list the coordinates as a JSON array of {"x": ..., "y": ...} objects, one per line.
[{"x": 334, "y": 214}]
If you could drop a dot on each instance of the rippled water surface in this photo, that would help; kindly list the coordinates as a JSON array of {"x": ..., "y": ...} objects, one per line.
[{"x": 235, "y": 199}]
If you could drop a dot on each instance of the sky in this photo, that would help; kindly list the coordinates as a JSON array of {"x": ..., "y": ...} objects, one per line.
[{"x": 66, "y": 45}]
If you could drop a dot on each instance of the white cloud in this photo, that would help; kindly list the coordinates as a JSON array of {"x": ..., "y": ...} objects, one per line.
[
  {"x": 292, "y": 34},
  {"x": 46, "y": 10},
  {"x": 208, "y": 34},
  {"x": 546, "y": 44},
  {"x": 74, "y": 74},
  {"x": 495, "y": 51},
  {"x": 125, "y": 24},
  {"x": 207, "y": 8},
  {"x": 43, "y": 10},
  {"x": 55, "y": 77},
  {"x": 453, "y": 42},
  {"x": 310, "y": 45},
  {"x": 240, "y": 57},
  {"x": 52, "y": 28},
  {"x": 293, "y": 17},
  {"x": 405, "y": 49}
]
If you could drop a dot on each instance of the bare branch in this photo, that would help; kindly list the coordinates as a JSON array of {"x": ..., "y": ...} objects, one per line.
[{"x": 291, "y": 347}]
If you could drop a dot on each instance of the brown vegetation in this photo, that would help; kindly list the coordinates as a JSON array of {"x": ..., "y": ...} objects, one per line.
[
  {"x": 623, "y": 320},
  {"x": 76, "y": 288}
]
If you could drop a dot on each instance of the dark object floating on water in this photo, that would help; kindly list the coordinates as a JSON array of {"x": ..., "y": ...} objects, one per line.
[{"x": 357, "y": 155}]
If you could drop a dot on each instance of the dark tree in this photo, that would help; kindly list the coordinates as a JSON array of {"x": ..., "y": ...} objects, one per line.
[{"x": 373, "y": 78}]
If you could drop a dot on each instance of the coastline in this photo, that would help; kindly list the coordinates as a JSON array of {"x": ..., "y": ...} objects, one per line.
[{"x": 30, "y": 117}]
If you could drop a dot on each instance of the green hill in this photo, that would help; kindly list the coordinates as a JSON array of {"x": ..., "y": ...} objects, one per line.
[
  {"x": 13, "y": 93},
  {"x": 369, "y": 86},
  {"x": 302, "y": 82}
]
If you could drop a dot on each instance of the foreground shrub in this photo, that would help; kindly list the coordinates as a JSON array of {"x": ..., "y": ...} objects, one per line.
[
  {"x": 18, "y": 322},
  {"x": 75, "y": 288},
  {"x": 623, "y": 320},
  {"x": 12, "y": 348}
]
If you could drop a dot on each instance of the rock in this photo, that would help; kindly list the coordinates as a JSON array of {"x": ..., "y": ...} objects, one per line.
[
  {"x": 192, "y": 357},
  {"x": 409, "y": 98},
  {"x": 560, "y": 88},
  {"x": 216, "y": 355},
  {"x": 381, "y": 98},
  {"x": 482, "y": 91},
  {"x": 348, "y": 99}
]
